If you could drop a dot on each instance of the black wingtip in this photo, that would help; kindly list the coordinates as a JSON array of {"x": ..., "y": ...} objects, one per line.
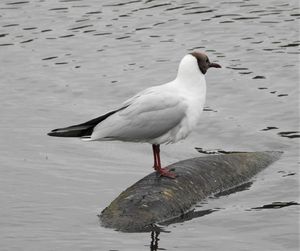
[
  {"x": 80, "y": 130},
  {"x": 53, "y": 133},
  {"x": 72, "y": 131}
]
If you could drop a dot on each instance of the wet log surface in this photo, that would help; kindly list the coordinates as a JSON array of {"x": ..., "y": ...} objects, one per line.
[{"x": 155, "y": 199}]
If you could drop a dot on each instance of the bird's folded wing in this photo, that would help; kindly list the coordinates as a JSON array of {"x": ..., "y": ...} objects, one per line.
[{"x": 148, "y": 115}]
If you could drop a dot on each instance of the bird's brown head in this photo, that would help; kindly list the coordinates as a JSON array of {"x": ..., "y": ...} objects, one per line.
[{"x": 203, "y": 62}]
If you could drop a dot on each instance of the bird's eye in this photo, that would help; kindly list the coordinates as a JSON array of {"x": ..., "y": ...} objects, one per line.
[{"x": 207, "y": 61}]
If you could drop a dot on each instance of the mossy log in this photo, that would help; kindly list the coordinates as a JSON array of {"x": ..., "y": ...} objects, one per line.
[{"x": 155, "y": 199}]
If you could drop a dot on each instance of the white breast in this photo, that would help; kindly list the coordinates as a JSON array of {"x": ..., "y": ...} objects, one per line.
[{"x": 191, "y": 86}]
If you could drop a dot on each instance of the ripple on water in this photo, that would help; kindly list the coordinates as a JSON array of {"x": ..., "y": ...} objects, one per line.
[
  {"x": 154, "y": 6},
  {"x": 237, "y": 68},
  {"x": 102, "y": 34},
  {"x": 259, "y": 77},
  {"x": 226, "y": 15},
  {"x": 49, "y": 58},
  {"x": 123, "y": 37},
  {"x": 10, "y": 25},
  {"x": 65, "y": 36},
  {"x": 287, "y": 174},
  {"x": 196, "y": 7},
  {"x": 67, "y": 1},
  {"x": 290, "y": 134},
  {"x": 277, "y": 205},
  {"x": 81, "y": 27},
  {"x": 143, "y": 28},
  {"x": 225, "y": 22},
  {"x": 15, "y": 3},
  {"x": 249, "y": 5},
  {"x": 198, "y": 12},
  {"x": 61, "y": 8},
  {"x": 244, "y": 18},
  {"x": 245, "y": 72},
  {"x": 121, "y": 4},
  {"x": 268, "y": 128},
  {"x": 159, "y": 23},
  {"x": 174, "y": 8},
  {"x": 196, "y": 48},
  {"x": 94, "y": 12},
  {"x": 46, "y": 30},
  {"x": 26, "y": 41},
  {"x": 82, "y": 20},
  {"x": 208, "y": 109},
  {"x": 29, "y": 28},
  {"x": 290, "y": 45},
  {"x": 88, "y": 31}
]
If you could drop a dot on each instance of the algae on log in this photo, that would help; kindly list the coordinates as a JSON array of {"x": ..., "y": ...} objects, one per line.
[{"x": 155, "y": 199}]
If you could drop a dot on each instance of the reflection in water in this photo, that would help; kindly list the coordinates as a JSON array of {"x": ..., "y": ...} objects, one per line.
[
  {"x": 185, "y": 217},
  {"x": 242, "y": 187},
  {"x": 196, "y": 214},
  {"x": 189, "y": 216},
  {"x": 154, "y": 241},
  {"x": 199, "y": 213},
  {"x": 192, "y": 214},
  {"x": 215, "y": 151},
  {"x": 276, "y": 205}
]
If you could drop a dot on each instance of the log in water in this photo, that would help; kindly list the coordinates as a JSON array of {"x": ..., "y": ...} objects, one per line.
[{"x": 155, "y": 199}]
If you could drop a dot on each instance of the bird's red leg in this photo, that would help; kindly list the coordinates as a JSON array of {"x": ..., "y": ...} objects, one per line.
[
  {"x": 154, "y": 156},
  {"x": 157, "y": 165}
]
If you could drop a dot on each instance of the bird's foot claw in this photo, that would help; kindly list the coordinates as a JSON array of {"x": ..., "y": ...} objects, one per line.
[{"x": 166, "y": 173}]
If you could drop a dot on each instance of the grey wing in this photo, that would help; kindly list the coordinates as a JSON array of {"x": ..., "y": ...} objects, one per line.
[{"x": 147, "y": 116}]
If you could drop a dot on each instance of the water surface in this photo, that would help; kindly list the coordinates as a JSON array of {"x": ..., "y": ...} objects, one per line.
[{"x": 67, "y": 61}]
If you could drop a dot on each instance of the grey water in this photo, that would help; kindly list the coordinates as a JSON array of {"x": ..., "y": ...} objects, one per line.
[{"x": 66, "y": 61}]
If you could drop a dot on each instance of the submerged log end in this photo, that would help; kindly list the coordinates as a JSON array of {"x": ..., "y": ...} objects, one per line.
[{"x": 155, "y": 199}]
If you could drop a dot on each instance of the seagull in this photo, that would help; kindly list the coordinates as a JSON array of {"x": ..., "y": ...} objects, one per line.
[{"x": 160, "y": 114}]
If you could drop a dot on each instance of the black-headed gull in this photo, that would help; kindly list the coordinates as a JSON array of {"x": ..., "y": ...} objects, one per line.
[{"x": 161, "y": 114}]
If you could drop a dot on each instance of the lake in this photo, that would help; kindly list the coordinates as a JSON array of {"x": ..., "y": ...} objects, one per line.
[{"x": 64, "y": 62}]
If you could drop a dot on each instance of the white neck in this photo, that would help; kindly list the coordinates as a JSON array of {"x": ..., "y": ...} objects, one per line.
[{"x": 189, "y": 74}]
